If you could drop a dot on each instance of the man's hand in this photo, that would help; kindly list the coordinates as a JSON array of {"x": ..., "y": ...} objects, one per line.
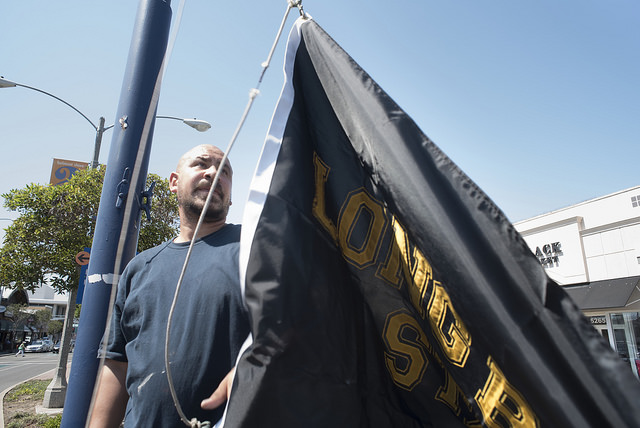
[{"x": 221, "y": 394}]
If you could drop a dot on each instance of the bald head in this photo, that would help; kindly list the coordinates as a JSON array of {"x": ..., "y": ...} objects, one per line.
[{"x": 200, "y": 150}]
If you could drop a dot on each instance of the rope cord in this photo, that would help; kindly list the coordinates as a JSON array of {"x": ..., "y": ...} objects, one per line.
[
  {"x": 267, "y": 62},
  {"x": 253, "y": 93}
]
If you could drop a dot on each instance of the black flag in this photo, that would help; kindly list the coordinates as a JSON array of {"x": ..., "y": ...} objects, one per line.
[{"x": 387, "y": 290}]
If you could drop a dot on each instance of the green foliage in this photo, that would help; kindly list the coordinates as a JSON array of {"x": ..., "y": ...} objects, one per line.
[
  {"x": 76, "y": 313},
  {"x": 164, "y": 223},
  {"x": 30, "y": 389},
  {"x": 19, "y": 316},
  {"x": 56, "y": 222},
  {"x": 55, "y": 327},
  {"x": 41, "y": 319},
  {"x": 53, "y": 422}
]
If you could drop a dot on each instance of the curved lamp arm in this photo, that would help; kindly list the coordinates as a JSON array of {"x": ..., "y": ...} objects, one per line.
[
  {"x": 9, "y": 84},
  {"x": 199, "y": 125}
]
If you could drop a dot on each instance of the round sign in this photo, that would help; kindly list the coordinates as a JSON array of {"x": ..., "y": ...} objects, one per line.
[{"x": 82, "y": 258}]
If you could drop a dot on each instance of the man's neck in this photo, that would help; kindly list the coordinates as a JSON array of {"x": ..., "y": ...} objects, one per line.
[{"x": 206, "y": 228}]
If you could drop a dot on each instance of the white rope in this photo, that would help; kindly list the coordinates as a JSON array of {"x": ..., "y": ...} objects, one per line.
[
  {"x": 267, "y": 62},
  {"x": 175, "y": 30},
  {"x": 253, "y": 93}
]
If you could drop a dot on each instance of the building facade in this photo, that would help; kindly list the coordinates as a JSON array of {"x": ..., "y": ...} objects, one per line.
[
  {"x": 43, "y": 297},
  {"x": 592, "y": 249},
  {"x": 46, "y": 297}
]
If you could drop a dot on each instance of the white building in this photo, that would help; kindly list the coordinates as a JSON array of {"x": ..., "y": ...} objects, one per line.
[
  {"x": 593, "y": 250},
  {"x": 43, "y": 297},
  {"x": 46, "y": 297}
]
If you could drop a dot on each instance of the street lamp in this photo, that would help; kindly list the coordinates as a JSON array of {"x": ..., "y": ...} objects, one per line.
[{"x": 199, "y": 125}]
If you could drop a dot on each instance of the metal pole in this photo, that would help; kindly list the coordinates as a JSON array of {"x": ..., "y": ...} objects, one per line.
[
  {"x": 98, "y": 143},
  {"x": 57, "y": 389},
  {"x": 146, "y": 54}
]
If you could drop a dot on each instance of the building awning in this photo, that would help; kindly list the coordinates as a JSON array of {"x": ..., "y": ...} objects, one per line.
[{"x": 609, "y": 293}]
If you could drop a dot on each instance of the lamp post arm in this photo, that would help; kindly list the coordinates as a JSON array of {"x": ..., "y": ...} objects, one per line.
[
  {"x": 169, "y": 117},
  {"x": 61, "y": 100},
  {"x": 198, "y": 125}
]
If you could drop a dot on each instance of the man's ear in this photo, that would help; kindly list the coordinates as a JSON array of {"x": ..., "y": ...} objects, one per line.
[{"x": 173, "y": 182}]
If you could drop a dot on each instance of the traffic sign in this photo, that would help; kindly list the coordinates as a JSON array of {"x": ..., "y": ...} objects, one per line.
[{"x": 82, "y": 258}]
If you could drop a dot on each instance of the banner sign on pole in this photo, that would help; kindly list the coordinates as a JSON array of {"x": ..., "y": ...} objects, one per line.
[{"x": 62, "y": 170}]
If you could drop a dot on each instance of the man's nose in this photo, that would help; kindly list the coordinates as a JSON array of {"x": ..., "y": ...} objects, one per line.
[{"x": 211, "y": 171}]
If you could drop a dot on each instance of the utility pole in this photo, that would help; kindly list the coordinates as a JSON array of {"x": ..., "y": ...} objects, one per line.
[
  {"x": 117, "y": 224},
  {"x": 97, "y": 144}
]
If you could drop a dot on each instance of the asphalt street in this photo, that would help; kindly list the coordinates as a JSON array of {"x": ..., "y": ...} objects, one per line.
[{"x": 15, "y": 370}]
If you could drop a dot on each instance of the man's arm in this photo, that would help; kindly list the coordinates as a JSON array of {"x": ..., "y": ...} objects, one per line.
[{"x": 111, "y": 398}]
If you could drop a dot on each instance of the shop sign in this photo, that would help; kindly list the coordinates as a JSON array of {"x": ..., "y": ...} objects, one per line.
[
  {"x": 598, "y": 320},
  {"x": 549, "y": 255}
]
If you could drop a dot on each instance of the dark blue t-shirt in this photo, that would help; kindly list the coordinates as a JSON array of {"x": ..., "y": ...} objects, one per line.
[{"x": 208, "y": 327}]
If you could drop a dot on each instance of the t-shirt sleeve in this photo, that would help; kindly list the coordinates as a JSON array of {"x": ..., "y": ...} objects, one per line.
[{"x": 116, "y": 342}]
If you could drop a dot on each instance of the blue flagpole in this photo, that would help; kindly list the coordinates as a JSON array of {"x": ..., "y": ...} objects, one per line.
[{"x": 146, "y": 53}]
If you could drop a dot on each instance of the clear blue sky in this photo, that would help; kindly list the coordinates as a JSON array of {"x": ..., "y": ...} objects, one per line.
[{"x": 538, "y": 102}]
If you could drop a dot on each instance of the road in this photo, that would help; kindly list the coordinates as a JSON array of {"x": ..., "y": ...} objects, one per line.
[{"x": 14, "y": 370}]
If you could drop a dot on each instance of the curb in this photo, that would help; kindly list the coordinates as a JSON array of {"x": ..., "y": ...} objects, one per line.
[{"x": 45, "y": 375}]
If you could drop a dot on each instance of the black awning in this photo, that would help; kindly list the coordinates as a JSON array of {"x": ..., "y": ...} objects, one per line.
[{"x": 609, "y": 293}]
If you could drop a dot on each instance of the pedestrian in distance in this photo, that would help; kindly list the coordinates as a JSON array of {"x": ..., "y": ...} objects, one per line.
[
  {"x": 20, "y": 349},
  {"x": 210, "y": 322}
]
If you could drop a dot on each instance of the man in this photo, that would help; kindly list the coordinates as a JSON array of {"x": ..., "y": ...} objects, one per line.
[{"x": 209, "y": 323}]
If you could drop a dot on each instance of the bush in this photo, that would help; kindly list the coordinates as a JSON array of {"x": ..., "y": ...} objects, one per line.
[
  {"x": 53, "y": 422},
  {"x": 23, "y": 420},
  {"x": 29, "y": 389}
]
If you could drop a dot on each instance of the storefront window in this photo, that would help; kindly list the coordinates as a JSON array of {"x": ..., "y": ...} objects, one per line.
[{"x": 626, "y": 331}]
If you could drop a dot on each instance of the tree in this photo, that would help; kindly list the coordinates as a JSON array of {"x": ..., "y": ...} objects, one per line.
[
  {"x": 41, "y": 320},
  {"x": 20, "y": 317},
  {"x": 54, "y": 327},
  {"x": 56, "y": 222}
]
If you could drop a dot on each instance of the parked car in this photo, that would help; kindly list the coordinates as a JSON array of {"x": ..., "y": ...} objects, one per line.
[
  {"x": 48, "y": 343},
  {"x": 37, "y": 346},
  {"x": 56, "y": 347}
]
